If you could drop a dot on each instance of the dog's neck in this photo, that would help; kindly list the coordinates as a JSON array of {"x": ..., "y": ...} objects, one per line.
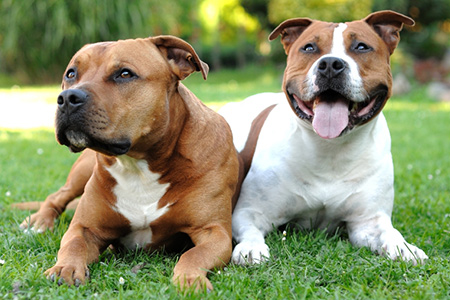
[{"x": 346, "y": 149}]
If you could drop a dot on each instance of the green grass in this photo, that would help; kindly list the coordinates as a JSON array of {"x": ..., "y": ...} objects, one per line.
[{"x": 305, "y": 265}]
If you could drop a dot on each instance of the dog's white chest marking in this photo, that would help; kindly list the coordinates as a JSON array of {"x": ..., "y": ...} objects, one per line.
[{"x": 138, "y": 193}]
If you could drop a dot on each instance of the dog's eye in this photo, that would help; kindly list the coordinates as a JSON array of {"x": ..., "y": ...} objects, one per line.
[
  {"x": 361, "y": 47},
  {"x": 71, "y": 73},
  {"x": 125, "y": 73},
  {"x": 308, "y": 48}
]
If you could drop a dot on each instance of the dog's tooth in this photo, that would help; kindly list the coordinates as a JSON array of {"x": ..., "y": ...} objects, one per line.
[{"x": 315, "y": 102}]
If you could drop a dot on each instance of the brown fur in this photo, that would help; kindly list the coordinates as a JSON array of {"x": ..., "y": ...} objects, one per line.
[{"x": 188, "y": 144}]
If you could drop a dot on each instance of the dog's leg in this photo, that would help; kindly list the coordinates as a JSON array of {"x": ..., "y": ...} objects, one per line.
[
  {"x": 212, "y": 250},
  {"x": 251, "y": 247},
  {"x": 79, "y": 247},
  {"x": 381, "y": 237},
  {"x": 56, "y": 203}
]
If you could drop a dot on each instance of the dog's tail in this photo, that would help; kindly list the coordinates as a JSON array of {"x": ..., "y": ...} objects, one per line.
[{"x": 35, "y": 205}]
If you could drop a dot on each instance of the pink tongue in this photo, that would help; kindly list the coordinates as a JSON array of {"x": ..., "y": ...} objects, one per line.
[{"x": 330, "y": 118}]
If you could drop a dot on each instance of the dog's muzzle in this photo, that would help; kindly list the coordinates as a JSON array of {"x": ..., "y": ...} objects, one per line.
[
  {"x": 74, "y": 125},
  {"x": 69, "y": 101},
  {"x": 334, "y": 104},
  {"x": 331, "y": 67}
]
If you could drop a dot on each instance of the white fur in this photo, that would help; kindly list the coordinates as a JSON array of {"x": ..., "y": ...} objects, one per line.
[
  {"x": 318, "y": 183},
  {"x": 241, "y": 114},
  {"x": 138, "y": 193}
]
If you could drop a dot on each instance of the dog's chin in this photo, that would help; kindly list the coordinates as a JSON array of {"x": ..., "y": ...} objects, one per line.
[
  {"x": 77, "y": 141},
  {"x": 359, "y": 112}
]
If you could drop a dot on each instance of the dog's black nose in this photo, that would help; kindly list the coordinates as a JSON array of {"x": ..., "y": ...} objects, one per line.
[
  {"x": 330, "y": 67},
  {"x": 72, "y": 99}
]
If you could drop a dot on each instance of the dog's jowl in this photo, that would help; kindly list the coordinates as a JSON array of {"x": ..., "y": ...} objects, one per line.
[{"x": 322, "y": 158}]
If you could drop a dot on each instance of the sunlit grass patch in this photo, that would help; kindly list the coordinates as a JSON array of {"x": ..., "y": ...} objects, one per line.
[
  {"x": 399, "y": 105},
  {"x": 47, "y": 94}
]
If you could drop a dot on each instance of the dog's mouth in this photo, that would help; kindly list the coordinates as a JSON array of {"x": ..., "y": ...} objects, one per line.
[
  {"x": 78, "y": 133},
  {"x": 77, "y": 141},
  {"x": 332, "y": 114}
]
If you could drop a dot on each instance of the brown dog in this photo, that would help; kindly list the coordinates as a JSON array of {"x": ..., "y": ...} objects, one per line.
[{"x": 162, "y": 165}]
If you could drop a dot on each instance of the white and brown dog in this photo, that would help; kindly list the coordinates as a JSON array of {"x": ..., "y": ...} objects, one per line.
[{"x": 323, "y": 157}]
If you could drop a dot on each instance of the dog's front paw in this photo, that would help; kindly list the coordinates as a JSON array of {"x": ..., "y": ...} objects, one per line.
[
  {"x": 250, "y": 253},
  {"x": 69, "y": 274},
  {"x": 40, "y": 221},
  {"x": 404, "y": 251},
  {"x": 192, "y": 282}
]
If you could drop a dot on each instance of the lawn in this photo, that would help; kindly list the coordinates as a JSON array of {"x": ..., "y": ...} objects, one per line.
[{"x": 303, "y": 265}]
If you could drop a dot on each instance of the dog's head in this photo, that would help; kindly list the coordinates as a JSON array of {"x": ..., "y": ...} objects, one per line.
[
  {"x": 114, "y": 93},
  {"x": 338, "y": 75}
]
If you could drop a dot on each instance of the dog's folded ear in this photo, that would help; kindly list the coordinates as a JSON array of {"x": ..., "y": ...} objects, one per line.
[
  {"x": 388, "y": 24},
  {"x": 181, "y": 56},
  {"x": 290, "y": 30}
]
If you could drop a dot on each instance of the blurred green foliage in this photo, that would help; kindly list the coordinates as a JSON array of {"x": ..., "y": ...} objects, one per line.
[
  {"x": 430, "y": 37},
  {"x": 37, "y": 38},
  {"x": 326, "y": 10}
]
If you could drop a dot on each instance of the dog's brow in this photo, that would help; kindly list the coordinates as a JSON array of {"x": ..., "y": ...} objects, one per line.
[{"x": 122, "y": 63}]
